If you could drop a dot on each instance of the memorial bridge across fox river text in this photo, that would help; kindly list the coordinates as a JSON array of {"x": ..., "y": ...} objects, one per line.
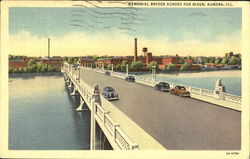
[{"x": 144, "y": 119}]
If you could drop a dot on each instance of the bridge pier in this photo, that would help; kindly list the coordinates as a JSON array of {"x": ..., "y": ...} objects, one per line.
[
  {"x": 74, "y": 92},
  {"x": 101, "y": 140},
  {"x": 92, "y": 128},
  {"x": 70, "y": 85},
  {"x": 82, "y": 106}
]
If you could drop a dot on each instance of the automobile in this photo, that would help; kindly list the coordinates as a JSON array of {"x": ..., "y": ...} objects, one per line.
[
  {"x": 75, "y": 66},
  {"x": 180, "y": 91},
  {"x": 109, "y": 94},
  {"x": 162, "y": 86},
  {"x": 130, "y": 78},
  {"x": 107, "y": 73}
]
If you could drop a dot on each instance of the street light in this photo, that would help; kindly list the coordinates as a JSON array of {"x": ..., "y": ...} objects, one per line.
[
  {"x": 127, "y": 69},
  {"x": 153, "y": 72},
  {"x": 79, "y": 73}
]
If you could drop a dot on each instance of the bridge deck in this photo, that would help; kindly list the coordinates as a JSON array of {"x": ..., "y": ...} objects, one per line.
[{"x": 177, "y": 123}]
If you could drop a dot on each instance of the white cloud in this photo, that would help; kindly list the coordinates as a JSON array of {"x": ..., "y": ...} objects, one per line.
[{"x": 81, "y": 44}]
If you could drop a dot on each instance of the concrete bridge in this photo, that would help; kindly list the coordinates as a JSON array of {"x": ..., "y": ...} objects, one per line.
[{"x": 147, "y": 119}]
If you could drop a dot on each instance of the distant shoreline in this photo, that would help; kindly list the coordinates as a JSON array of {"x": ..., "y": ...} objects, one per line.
[
  {"x": 13, "y": 75},
  {"x": 176, "y": 72}
]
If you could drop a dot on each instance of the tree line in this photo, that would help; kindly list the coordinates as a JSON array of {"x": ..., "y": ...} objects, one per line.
[{"x": 33, "y": 66}]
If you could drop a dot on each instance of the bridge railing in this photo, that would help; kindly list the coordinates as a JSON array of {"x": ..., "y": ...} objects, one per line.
[
  {"x": 117, "y": 134},
  {"x": 232, "y": 98},
  {"x": 194, "y": 90}
]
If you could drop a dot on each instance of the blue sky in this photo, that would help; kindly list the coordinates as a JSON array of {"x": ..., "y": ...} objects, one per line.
[{"x": 206, "y": 25}]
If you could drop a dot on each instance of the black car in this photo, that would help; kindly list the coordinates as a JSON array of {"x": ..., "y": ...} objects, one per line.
[
  {"x": 162, "y": 86},
  {"x": 107, "y": 73},
  {"x": 109, "y": 94},
  {"x": 130, "y": 78}
]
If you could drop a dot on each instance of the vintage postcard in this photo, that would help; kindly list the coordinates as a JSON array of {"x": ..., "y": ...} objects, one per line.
[{"x": 124, "y": 79}]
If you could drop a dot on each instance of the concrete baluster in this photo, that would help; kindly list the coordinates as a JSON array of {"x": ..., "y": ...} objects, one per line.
[
  {"x": 114, "y": 129},
  {"x": 96, "y": 99}
]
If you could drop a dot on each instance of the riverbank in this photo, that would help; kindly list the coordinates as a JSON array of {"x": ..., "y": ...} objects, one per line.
[
  {"x": 33, "y": 74},
  {"x": 179, "y": 72}
]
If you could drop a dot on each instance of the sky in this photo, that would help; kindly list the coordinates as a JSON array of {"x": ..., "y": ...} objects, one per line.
[{"x": 80, "y": 31}]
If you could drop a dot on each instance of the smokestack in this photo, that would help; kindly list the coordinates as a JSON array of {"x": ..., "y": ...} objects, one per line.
[
  {"x": 48, "y": 48},
  {"x": 135, "y": 55}
]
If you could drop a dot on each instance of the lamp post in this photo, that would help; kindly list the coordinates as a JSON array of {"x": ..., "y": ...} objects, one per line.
[
  {"x": 79, "y": 73},
  {"x": 127, "y": 69},
  {"x": 153, "y": 73}
]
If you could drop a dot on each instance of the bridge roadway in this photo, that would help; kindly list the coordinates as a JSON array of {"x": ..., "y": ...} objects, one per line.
[{"x": 176, "y": 123}]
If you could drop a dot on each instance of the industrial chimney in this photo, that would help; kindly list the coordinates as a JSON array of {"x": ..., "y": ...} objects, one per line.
[
  {"x": 48, "y": 48},
  {"x": 135, "y": 55}
]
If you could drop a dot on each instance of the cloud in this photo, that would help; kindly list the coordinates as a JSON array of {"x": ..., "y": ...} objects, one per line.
[{"x": 118, "y": 44}]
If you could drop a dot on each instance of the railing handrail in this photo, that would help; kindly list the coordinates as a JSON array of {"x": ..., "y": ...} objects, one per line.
[
  {"x": 104, "y": 113},
  {"x": 149, "y": 80}
]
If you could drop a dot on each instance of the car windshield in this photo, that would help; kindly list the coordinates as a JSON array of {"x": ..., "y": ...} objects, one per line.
[
  {"x": 163, "y": 84},
  {"x": 110, "y": 90},
  {"x": 182, "y": 88},
  {"x": 132, "y": 77}
]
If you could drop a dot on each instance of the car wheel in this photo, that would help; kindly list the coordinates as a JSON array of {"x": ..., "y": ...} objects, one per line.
[{"x": 180, "y": 95}]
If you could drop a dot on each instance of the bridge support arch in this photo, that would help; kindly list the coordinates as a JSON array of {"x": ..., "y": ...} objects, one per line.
[
  {"x": 74, "y": 92},
  {"x": 83, "y": 105}
]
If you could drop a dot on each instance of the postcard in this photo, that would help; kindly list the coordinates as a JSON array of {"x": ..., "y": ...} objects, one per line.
[{"x": 124, "y": 79}]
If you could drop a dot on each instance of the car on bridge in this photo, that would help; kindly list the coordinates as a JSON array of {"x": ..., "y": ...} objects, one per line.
[
  {"x": 76, "y": 66},
  {"x": 109, "y": 94},
  {"x": 180, "y": 91},
  {"x": 162, "y": 86},
  {"x": 107, "y": 73},
  {"x": 130, "y": 78}
]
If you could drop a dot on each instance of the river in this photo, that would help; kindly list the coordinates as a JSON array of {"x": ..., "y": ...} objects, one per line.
[
  {"x": 42, "y": 115},
  {"x": 230, "y": 78}
]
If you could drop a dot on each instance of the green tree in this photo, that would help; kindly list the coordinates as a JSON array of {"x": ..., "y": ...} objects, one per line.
[
  {"x": 170, "y": 67},
  {"x": 70, "y": 60},
  {"x": 153, "y": 63},
  {"x": 44, "y": 68},
  {"x": 211, "y": 59},
  {"x": 181, "y": 60},
  {"x": 117, "y": 68},
  {"x": 238, "y": 61},
  {"x": 185, "y": 67},
  {"x": 21, "y": 70},
  {"x": 65, "y": 58},
  {"x": 25, "y": 69},
  {"x": 31, "y": 62},
  {"x": 109, "y": 66},
  {"x": 232, "y": 60},
  {"x": 137, "y": 64},
  {"x": 15, "y": 70},
  {"x": 224, "y": 61},
  {"x": 217, "y": 61}
]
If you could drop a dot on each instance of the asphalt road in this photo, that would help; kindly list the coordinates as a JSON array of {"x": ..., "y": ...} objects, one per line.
[{"x": 177, "y": 123}]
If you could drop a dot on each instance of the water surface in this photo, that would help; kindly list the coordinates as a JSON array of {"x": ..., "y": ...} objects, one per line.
[
  {"x": 207, "y": 80},
  {"x": 42, "y": 115}
]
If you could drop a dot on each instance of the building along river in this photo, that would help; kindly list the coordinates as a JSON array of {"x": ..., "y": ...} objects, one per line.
[
  {"x": 42, "y": 114},
  {"x": 230, "y": 78}
]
